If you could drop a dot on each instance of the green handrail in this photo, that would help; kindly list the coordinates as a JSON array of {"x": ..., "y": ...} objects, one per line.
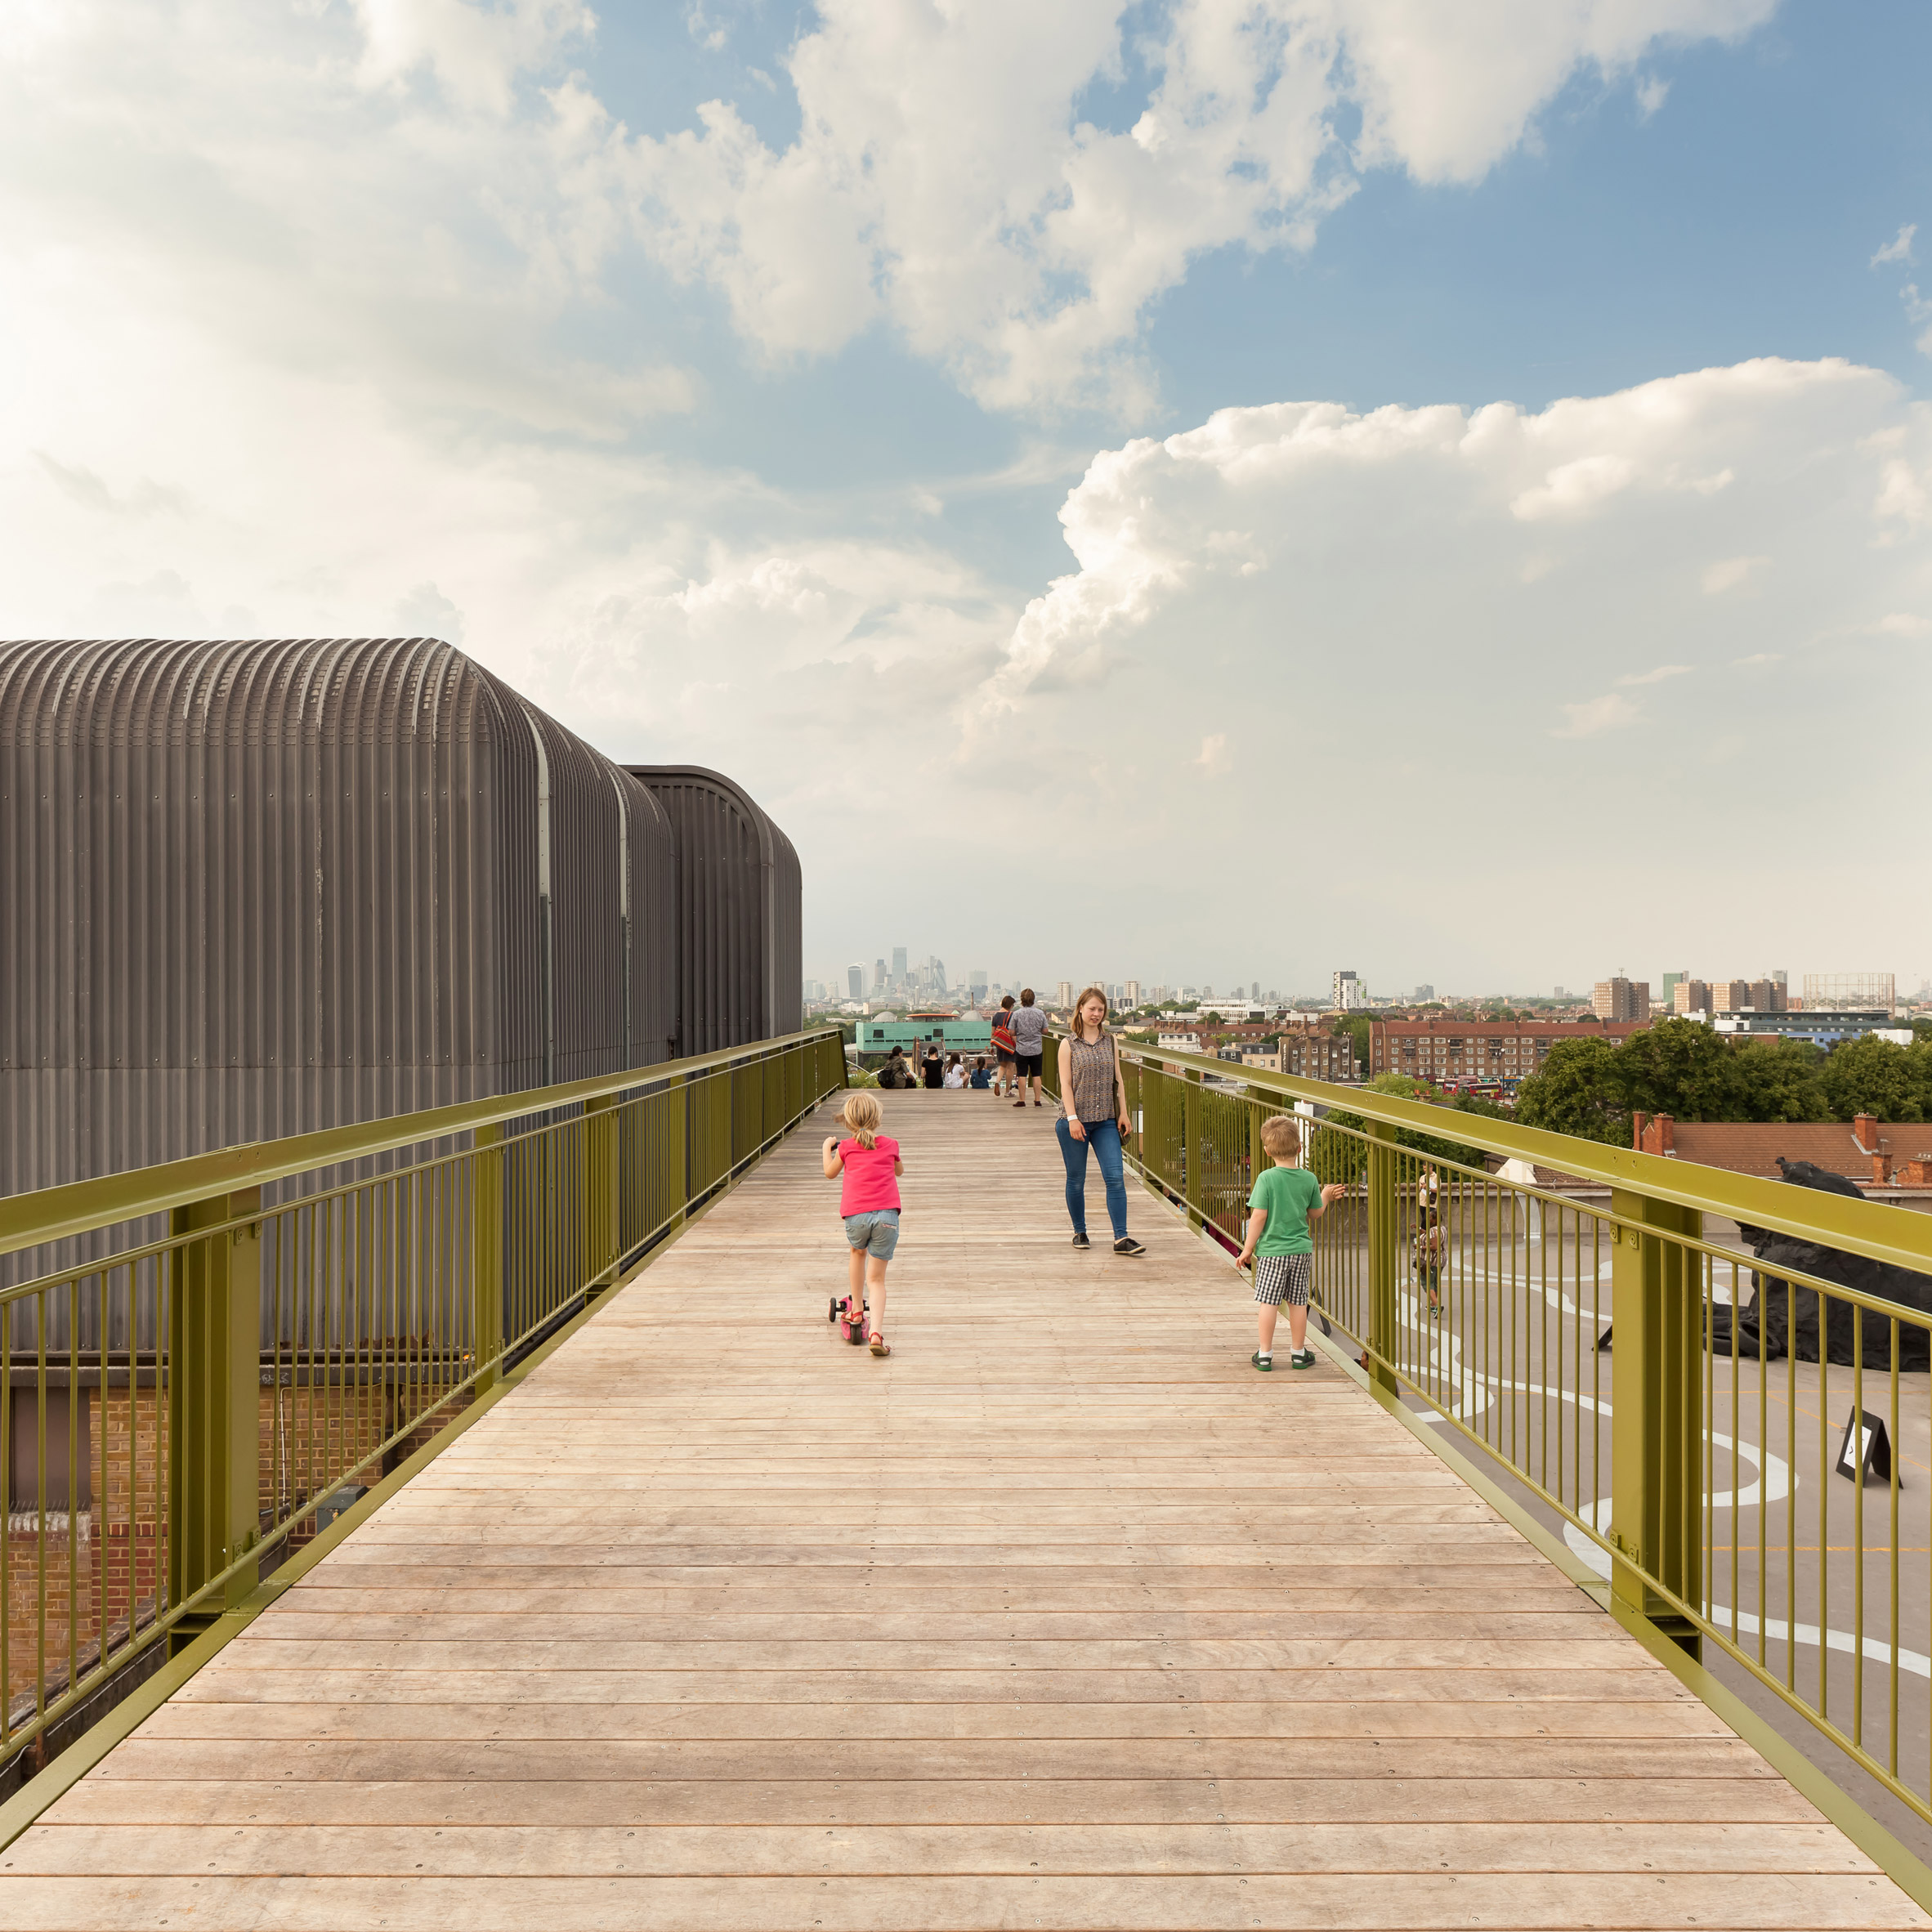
[
  {"x": 203, "y": 1360},
  {"x": 1701, "y": 1473}
]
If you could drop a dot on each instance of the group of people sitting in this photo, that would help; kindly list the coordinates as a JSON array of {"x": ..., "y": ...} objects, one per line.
[{"x": 934, "y": 1069}]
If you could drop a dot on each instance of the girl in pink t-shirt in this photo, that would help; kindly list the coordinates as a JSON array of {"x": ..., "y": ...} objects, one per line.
[{"x": 871, "y": 1164}]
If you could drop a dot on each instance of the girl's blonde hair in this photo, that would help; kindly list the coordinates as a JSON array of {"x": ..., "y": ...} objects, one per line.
[
  {"x": 862, "y": 1113},
  {"x": 1098, "y": 993}
]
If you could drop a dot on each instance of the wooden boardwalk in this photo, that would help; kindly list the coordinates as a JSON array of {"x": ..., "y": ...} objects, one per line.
[{"x": 1062, "y": 1617}]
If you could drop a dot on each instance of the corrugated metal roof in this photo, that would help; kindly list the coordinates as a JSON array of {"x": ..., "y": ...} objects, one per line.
[
  {"x": 255, "y": 888},
  {"x": 740, "y": 895}
]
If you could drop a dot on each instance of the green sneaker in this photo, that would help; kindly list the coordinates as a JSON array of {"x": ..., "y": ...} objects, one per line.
[
  {"x": 1302, "y": 1358},
  {"x": 1265, "y": 1363}
]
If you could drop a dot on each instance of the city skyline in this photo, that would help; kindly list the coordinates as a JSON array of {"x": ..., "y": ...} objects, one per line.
[{"x": 1395, "y": 990}]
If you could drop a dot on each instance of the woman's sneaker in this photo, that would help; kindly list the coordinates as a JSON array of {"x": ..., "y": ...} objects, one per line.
[
  {"x": 1127, "y": 1245},
  {"x": 1080, "y": 1240}
]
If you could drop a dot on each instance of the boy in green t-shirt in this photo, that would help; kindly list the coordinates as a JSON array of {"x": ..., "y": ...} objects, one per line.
[{"x": 1284, "y": 1200}]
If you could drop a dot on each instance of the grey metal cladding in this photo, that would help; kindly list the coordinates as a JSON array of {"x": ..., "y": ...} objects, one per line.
[
  {"x": 255, "y": 888},
  {"x": 739, "y": 911}
]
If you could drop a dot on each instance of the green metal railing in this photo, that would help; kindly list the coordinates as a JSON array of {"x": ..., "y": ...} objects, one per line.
[
  {"x": 1640, "y": 1376},
  {"x": 200, "y": 1361}
]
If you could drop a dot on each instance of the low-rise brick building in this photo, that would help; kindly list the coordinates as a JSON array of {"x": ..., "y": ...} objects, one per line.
[
  {"x": 1491, "y": 1052},
  {"x": 1309, "y": 1056}
]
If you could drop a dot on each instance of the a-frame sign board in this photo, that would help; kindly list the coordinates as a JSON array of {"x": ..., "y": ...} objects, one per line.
[{"x": 1865, "y": 1443}]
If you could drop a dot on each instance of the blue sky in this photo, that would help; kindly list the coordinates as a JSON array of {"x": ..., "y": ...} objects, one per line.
[{"x": 773, "y": 386}]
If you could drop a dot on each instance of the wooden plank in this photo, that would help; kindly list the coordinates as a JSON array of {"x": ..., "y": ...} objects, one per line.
[
  {"x": 1060, "y": 1617},
  {"x": 1693, "y": 1804},
  {"x": 776, "y": 1850},
  {"x": 401, "y": 1761},
  {"x": 1058, "y": 1904},
  {"x": 380, "y": 1716}
]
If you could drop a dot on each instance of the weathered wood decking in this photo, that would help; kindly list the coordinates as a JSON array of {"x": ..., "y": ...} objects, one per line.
[{"x": 1062, "y": 1617}]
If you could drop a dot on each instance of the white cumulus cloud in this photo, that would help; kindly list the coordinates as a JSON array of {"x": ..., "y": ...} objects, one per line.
[
  {"x": 1898, "y": 248},
  {"x": 1729, "y": 572},
  {"x": 941, "y": 185},
  {"x": 1596, "y": 715},
  {"x": 1395, "y": 676}
]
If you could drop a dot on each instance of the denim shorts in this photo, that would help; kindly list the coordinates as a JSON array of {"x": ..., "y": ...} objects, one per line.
[{"x": 875, "y": 1233}]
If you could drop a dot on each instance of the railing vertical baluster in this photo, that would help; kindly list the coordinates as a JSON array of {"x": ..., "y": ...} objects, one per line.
[
  {"x": 486, "y": 1255},
  {"x": 601, "y": 1194},
  {"x": 214, "y": 1350},
  {"x": 1657, "y": 1403},
  {"x": 1384, "y": 1236},
  {"x": 1191, "y": 1159}
]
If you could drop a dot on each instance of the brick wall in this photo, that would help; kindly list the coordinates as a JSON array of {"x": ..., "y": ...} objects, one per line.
[{"x": 110, "y": 1563}]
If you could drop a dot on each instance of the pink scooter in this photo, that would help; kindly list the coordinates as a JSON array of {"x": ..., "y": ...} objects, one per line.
[{"x": 851, "y": 1323}]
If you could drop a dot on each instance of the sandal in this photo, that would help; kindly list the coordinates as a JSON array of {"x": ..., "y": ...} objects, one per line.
[{"x": 878, "y": 1344}]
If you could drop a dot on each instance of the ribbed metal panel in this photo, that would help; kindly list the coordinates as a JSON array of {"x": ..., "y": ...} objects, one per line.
[
  {"x": 739, "y": 911},
  {"x": 254, "y": 889}
]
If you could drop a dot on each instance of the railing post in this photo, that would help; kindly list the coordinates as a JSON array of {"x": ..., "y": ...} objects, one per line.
[
  {"x": 1192, "y": 1161},
  {"x": 1384, "y": 1238},
  {"x": 1656, "y": 1420},
  {"x": 214, "y": 1403},
  {"x": 602, "y": 1191},
  {"x": 486, "y": 1255}
]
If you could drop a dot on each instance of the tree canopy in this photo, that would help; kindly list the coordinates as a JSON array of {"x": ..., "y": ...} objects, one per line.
[{"x": 1681, "y": 1068}]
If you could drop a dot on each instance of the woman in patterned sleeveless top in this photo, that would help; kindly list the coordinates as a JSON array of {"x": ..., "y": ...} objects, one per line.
[{"x": 1093, "y": 1102}]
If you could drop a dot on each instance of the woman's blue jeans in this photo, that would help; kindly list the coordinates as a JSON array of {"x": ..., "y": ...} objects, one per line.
[{"x": 1104, "y": 1137}]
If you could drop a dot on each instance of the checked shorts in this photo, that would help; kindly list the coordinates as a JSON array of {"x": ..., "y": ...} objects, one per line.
[{"x": 1280, "y": 1278}]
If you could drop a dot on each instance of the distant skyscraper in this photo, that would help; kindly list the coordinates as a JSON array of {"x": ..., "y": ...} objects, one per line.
[
  {"x": 1347, "y": 990},
  {"x": 1621, "y": 999},
  {"x": 1066, "y": 998},
  {"x": 977, "y": 983},
  {"x": 898, "y": 965},
  {"x": 1255, "y": 989},
  {"x": 1425, "y": 992},
  {"x": 878, "y": 978},
  {"x": 1690, "y": 995},
  {"x": 1133, "y": 992},
  {"x": 855, "y": 976}
]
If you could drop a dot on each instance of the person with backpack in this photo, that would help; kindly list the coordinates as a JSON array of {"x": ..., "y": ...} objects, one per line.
[
  {"x": 1003, "y": 1045},
  {"x": 895, "y": 1073}
]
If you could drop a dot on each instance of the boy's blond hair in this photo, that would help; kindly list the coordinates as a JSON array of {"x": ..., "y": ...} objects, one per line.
[
  {"x": 1280, "y": 1136},
  {"x": 862, "y": 1113}
]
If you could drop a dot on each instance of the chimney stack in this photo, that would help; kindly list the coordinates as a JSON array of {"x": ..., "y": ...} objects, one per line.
[{"x": 1865, "y": 1133}]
